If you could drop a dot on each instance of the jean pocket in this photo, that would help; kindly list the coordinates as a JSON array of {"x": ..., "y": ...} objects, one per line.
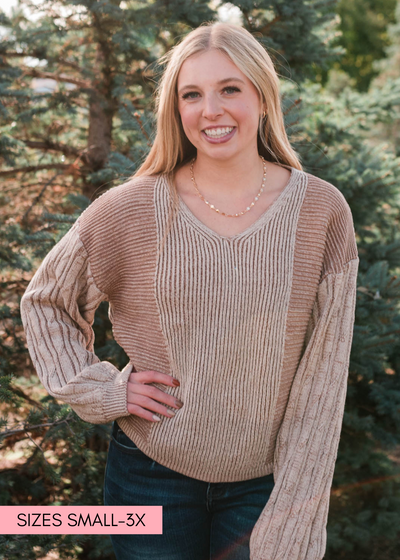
[{"x": 124, "y": 443}]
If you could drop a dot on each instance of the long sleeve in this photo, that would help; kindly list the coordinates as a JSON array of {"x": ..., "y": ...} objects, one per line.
[
  {"x": 292, "y": 525},
  {"x": 57, "y": 311}
]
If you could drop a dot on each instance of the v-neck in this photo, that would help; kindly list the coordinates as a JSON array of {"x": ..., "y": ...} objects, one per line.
[{"x": 265, "y": 216}]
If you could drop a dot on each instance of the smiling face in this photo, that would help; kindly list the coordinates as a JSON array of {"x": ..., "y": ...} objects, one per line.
[{"x": 219, "y": 106}]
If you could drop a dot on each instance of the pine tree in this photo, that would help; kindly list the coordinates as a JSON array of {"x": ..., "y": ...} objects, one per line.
[
  {"x": 364, "y": 35},
  {"x": 334, "y": 134},
  {"x": 365, "y": 502},
  {"x": 65, "y": 146},
  {"x": 388, "y": 74},
  {"x": 62, "y": 146}
]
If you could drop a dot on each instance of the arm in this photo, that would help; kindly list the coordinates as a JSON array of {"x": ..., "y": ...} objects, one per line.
[
  {"x": 57, "y": 312},
  {"x": 292, "y": 525}
]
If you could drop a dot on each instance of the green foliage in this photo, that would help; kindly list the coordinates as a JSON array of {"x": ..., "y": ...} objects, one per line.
[{"x": 364, "y": 25}]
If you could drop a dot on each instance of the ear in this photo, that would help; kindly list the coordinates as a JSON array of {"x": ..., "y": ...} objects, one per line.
[{"x": 263, "y": 108}]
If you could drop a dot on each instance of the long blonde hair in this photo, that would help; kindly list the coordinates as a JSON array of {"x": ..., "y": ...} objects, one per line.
[{"x": 171, "y": 148}]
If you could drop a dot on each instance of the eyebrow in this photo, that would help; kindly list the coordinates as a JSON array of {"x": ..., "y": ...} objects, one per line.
[{"x": 224, "y": 81}]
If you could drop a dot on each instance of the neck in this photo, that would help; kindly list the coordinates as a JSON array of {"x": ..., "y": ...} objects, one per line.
[{"x": 239, "y": 177}]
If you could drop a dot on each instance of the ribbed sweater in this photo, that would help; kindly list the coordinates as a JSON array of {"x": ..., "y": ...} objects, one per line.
[{"x": 257, "y": 327}]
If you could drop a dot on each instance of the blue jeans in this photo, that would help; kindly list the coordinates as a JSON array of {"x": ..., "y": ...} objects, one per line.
[{"x": 201, "y": 520}]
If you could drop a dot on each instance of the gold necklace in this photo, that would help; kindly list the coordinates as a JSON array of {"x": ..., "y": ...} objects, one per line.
[{"x": 219, "y": 211}]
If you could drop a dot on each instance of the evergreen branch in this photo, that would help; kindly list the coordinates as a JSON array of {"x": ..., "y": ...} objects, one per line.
[
  {"x": 39, "y": 196},
  {"x": 11, "y": 283},
  {"x": 384, "y": 342},
  {"x": 48, "y": 145},
  {"x": 37, "y": 445},
  {"x": 247, "y": 18},
  {"x": 22, "y": 53},
  {"x": 69, "y": 63},
  {"x": 265, "y": 30},
  {"x": 139, "y": 120},
  {"x": 33, "y": 54},
  {"x": 30, "y": 168},
  {"x": 338, "y": 490},
  {"x": 57, "y": 78},
  {"x": 20, "y": 393},
  {"x": 375, "y": 179},
  {"x": 25, "y": 429}
]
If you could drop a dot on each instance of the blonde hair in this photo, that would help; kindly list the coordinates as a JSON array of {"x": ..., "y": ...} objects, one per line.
[{"x": 171, "y": 148}]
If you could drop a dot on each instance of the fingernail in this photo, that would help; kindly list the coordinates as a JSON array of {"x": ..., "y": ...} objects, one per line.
[
  {"x": 178, "y": 403},
  {"x": 170, "y": 412},
  {"x": 176, "y": 383},
  {"x": 156, "y": 417}
]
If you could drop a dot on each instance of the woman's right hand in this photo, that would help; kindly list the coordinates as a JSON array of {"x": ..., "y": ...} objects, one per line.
[{"x": 143, "y": 399}]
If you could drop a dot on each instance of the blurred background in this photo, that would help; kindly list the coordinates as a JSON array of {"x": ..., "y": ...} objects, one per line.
[{"x": 76, "y": 118}]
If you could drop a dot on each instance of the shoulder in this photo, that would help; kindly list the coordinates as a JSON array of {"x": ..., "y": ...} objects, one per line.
[
  {"x": 116, "y": 227},
  {"x": 121, "y": 199},
  {"x": 326, "y": 198},
  {"x": 331, "y": 213},
  {"x": 122, "y": 210},
  {"x": 126, "y": 201}
]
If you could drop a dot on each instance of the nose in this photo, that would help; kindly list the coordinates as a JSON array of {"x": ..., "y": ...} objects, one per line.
[{"x": 212, "y": 107}]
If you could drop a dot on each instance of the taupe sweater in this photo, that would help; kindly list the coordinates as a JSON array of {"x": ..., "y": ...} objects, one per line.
[{"x": 257, "y": 327}]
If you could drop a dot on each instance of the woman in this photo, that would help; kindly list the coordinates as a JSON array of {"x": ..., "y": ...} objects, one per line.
[{"x": 238, "y": 330}]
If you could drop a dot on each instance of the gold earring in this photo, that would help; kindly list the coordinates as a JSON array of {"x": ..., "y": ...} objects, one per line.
[{"x": 264, "y": 114}]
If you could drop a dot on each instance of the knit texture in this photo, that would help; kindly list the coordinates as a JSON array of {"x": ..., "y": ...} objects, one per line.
[{"x": 257, "y": 327}]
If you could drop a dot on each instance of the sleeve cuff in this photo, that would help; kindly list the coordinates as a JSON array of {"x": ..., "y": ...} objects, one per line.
[{"x": 115, "y": 396}]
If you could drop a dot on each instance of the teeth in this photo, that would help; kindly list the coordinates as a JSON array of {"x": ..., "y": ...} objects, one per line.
[{"x": 218, "y": 132}]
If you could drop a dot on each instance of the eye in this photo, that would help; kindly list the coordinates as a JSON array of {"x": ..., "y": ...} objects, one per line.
[
  {"x": 232, "y": 88},
  {"x": 189, "y": 94},
  {"x": 186, "y": 95}
]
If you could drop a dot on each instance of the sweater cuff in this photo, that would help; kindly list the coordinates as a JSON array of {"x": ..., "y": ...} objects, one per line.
[{"x": 115, "y": 398}]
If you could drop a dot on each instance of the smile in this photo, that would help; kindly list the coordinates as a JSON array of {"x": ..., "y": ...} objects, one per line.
[
  {"x": 219, "y": 135},
  {"x": 218, "y": 132}
]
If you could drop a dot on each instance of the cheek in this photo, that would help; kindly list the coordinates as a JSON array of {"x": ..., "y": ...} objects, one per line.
[
  {"x": 246, "y": 116},
  {"x": 249, "y": 118},
  {"x": 188, "y": 117}
]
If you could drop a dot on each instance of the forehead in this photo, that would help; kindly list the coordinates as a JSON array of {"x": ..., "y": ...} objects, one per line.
[{"x": 210, "y": 66}]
